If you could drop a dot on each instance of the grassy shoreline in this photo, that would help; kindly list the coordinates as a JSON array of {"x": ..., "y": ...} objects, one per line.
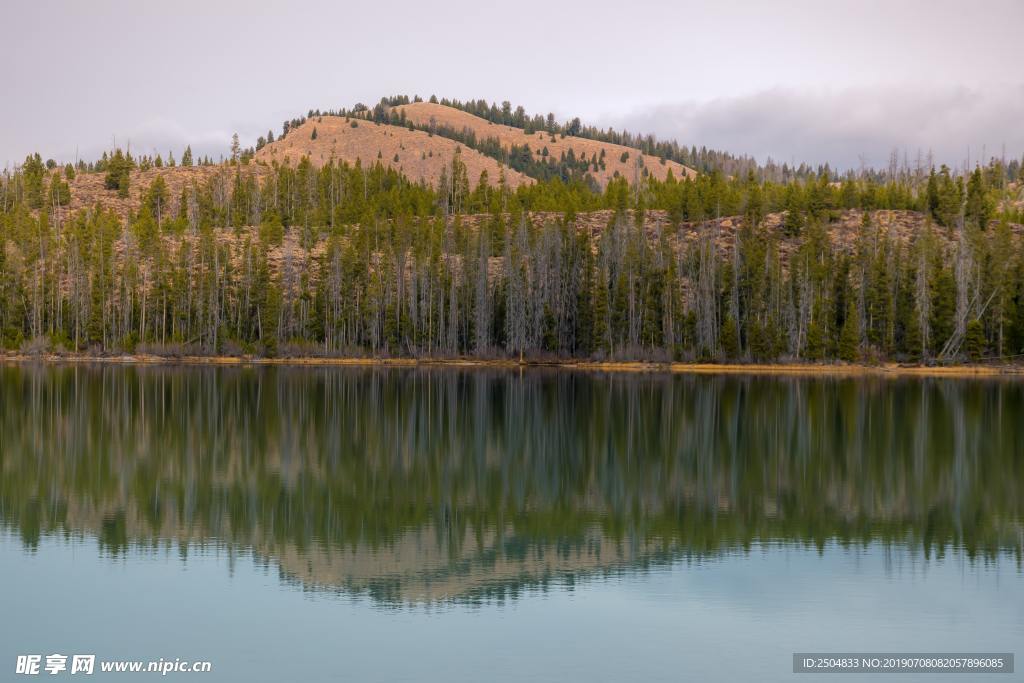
[{"x": 811, "y": 369}]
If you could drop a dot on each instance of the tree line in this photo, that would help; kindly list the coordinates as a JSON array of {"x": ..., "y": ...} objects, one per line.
[{"x": 347, "y": 260}]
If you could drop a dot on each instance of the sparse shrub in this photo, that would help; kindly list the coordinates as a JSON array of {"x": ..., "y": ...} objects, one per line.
[
  {"x": 233, "y": 348},
  {"x": 36, "y": 346}
]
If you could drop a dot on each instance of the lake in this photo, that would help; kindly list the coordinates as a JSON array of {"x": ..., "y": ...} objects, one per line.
[{"x": 325, "y": 524}]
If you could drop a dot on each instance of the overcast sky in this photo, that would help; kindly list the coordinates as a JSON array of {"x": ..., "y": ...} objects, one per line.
[{"x": 814, "y": 81}]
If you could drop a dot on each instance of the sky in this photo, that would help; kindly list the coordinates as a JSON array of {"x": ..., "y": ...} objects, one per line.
[{"x": 837, "y": 82}]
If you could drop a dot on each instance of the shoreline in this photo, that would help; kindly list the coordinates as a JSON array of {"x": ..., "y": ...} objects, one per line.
[{"x": 802, "y": 369}]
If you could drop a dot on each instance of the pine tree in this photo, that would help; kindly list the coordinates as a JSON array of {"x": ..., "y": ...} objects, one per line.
[
  {"x": 974, "y": 340},
  {"x": 759, "y": 340},
  {"x": 943, "y": 308},
  {"x": 729, "y": 339},
  {"x": 932, "y": 195},
  {"x": 979, "y": 209},
  {"x": 619, "y": 332},
  {"x": 186, "y": 156},
  {"x": 849, "y": 338},
  {"x": 950, "y": 195},
  {"x": 815, "y": 348},
  {"x": 584, "y": 333},
  {"x": 880, "y": 302},
  {"x": 118, "y": 176},
  {"x": 601, "y": 337},
  {"x": 912, "y": 342},
  {"x": 793, "y": 223}
]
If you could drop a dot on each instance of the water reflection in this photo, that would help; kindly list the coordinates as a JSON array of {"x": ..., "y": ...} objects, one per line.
[{"x": 430, "y": 485}]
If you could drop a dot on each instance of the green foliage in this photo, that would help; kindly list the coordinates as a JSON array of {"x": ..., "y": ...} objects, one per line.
[{"x": 271, "y": 230}]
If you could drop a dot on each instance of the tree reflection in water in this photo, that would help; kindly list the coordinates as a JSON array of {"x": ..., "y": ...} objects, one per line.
[{"x": 441, "y": 484}]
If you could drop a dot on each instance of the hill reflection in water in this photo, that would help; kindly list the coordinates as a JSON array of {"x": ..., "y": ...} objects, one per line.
[{"x": 426, "y": 485}]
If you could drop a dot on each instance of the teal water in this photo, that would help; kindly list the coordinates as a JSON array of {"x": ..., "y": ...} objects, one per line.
[{"x": 376, "y": 524}]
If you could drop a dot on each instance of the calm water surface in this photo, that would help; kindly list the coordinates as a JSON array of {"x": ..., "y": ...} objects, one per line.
[{"x": 441, "y": 525}]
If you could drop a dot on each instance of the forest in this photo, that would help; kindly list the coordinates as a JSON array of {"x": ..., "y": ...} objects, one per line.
[{"x": 353, "y": 260}]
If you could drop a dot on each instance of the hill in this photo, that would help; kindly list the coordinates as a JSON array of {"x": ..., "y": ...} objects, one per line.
[
  {"x": 617, "y": 159},
  {"x": 421, "y": 154},
  {"x": 416, "y": 154}
]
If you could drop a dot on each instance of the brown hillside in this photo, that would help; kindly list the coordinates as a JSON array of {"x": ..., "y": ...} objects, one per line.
[
  {"x": 87, "y": 189},
  {"x": 424, "y": 113},
  {"x": 420, "y": 155}
]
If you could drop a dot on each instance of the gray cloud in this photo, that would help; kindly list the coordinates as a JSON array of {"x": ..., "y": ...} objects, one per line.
[
  {"x": 844, "y": 127},
  {"x": 167, "y": 74}
]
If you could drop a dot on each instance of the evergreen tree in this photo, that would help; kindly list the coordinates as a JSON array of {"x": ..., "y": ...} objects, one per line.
[
  {"x": 729, "y": 339},
  {"x": 912, "y": 341},
  {"x": 978, "y": 210},
  {"x": 943, "y": 308},
  {"x": 815, "y": 349},
  {"x": 119, "y": 168},
  {"x": 601, "y": 337},
  {"x": 974, "y": 340},
  {"x": 950, "y": 195},
  {"x": 849, "y": 338}
]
